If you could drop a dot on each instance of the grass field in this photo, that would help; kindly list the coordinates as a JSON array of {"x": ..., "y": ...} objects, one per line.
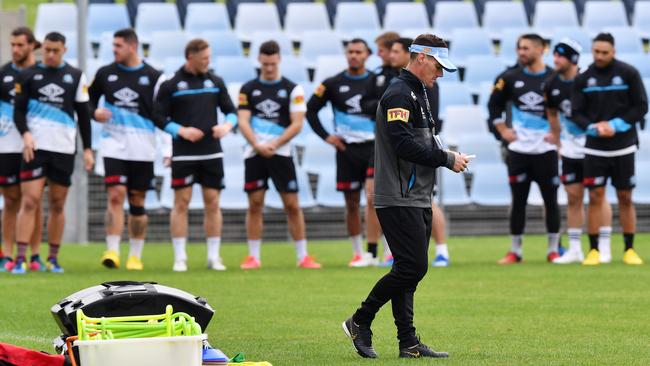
[{"x": 483, "y": 314}]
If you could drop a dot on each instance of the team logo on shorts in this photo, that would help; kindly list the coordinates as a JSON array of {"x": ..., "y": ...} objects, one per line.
[
  {"x": 397, "y": 114},
  {"x": 633, "y": 180},
  {"x": 292, "y": 185},
  {"x": 67, "y": 78},
  {"x": 144, "y": 80}
]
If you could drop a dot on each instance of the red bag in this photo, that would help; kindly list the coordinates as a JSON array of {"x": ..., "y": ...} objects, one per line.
[{"x": 17, "y": 356}]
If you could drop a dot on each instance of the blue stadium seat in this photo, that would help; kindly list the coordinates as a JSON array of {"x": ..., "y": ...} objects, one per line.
[
  {"x": 183, "y": 4},
  {"x": 286, "y": 45},
  {"x": 233, "y": 196},
  {"x": 166, "y": 45},
  {"x": 395, "y": 19},
  {"x": 327, "y": 66},
  {"x": 484, "y": 146},
  {"x": 331, "y": 6},
  {"x": 284, "y": 4},
  {"x": 132, "y": 7},
  {"x": 462, "y": 121},
  {"x": 453, "y": 190},
  {"x": 223, "y": 43},
  {"x": 368, "y": 35},
  {"x": 60, "y": 17},
  {"x": 232, "y": 6},
  {"x": 499, "y": 15},
  {"x": 356, "y": 16},
  {"x": 202, "y": 17},
  {"x": 508, "y": 43},
  {"x": 641, "y": 18},
  {"x": 453, "y": 93},
  {"x": 550, "y": 14},
  {"x": 382, "y": 5},
  {"x": 481, "y": 69},
  {"x": 319, "y": 156},
  {"x": 639, "y": 60},
  {"x": 253, "y": 17},
  {"x": 154, "y": 17},
  {"x": 319, "y": 43},
  {"x": 627, "y": 39},
  {"x": 234, "y": 69},
  {"x": 601, "y": 14},
  {"x": 294, "y": 69},
  {"x": 302, "y": 17},
  {"x": 451, "y": 15},
  {"x": 484, "y": 93},
  {"x": 106, "y": 18},
  {"x": 578, "y": 34},
  {"x": 467, "y": 42},
  {"x": 490, "y": 184},
  {"x": 72, "y": 53}
]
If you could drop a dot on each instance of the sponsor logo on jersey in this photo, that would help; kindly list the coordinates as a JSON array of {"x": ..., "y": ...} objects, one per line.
[
  {"x": 617, "y": 80},
  {"x": 269, "y": 108},
  {"x": 256, "y": 93},
  {"x": 38, "y": 77},
  {"x": 555, "y": 92},
  {"x": 320, "y": 90},
  {"x": 126, "y": 97},
  {"x": 182, "y": 85},
  {"x": 354, "y": 104},
  {"x": 298, "y": 99},
  {"x": 8, "y": 79},
  {"x": 591, "y": 81},
  {"x": 243, "y": 99},
  {"x": 282, "y": 93},
  {"x": 112, "y": 77},
  {"x": 52, "y": 92},
  {"x": 344, "y": 88},
  {"x": 519, "y": 84},
  {"x": 67, "y": 78},
  {"x": 144, "y": 80},
  {"x": 499, "y": 84},
  {"x": 531, "y": 101},
  {"x": 397, "y": 114},
  {"x": 208, "y": 83},
  {"x": 17, "y": 88},
  {"x": 381, "y": 80}
]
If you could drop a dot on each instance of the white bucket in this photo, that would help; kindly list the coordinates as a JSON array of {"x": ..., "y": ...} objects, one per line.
[{"x": 161, "y": 351}]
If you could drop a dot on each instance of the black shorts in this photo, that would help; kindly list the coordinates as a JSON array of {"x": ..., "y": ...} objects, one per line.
[
  {"x": 10, "y": 169},
  {"x": 572, "y": 171},
  {"x": 56, "y": 167},
  {"x": 619, "y": 168},
  {"x": 354, "y": 166},
  {"x": 135, "y": 175},
  {"x": 280, "y": 169},
  {"x": 539, "y": 168},
  {"x": 207, "y": 173}
]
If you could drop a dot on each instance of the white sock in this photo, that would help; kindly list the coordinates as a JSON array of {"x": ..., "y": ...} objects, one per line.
[
  {"x": 574, "y": 239},
  {"x": 214, "y": 244},
  {"x": 553, "y": 242},
  {"x": 605, "y": 239},
  {"x": 135, "y": 249},
  {"x": 516, "y": 245},
  {"x": 387, "y": 251},
  {"x": 255, "y": 249},
  {"x": 357, "y": 244},
  {"x": 179, "y": 249},
  {"x": 301, "y": 249},
  {"x": 113, "y": 243},
  {"x": 443, "y": 250}
]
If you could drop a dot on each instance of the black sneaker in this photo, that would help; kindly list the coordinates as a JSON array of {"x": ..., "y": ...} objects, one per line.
[
  {"x": 361, "y": 338},
  {"x": 421, "y": 350}
]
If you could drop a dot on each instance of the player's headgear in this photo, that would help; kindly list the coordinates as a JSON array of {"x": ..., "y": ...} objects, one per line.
[
  {"x": 441, "y": 54},
  {"x": 569, "y": 49}
]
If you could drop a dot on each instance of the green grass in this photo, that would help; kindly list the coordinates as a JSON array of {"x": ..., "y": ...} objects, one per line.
[{"x": 482, "y": 313}]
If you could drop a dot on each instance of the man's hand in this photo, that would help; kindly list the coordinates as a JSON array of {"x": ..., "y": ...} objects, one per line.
[
  {"x": 509, "y": 135},
  {"x": 102, "y": 115},
  {"x": 460, "y": 163},
  {"x": 191, "y": 134},
  {"x": 336, "y": 142},
  {"x": 265, "y": 149},
  {"x": 167, "y": 161},
  {"x": 552, "y": 138},
  {"x": 605, "y": 129},
  {"x": 222, "y": 130},
  {"x": 89, "y": 159},
  {"x": 29, "y": 147}
]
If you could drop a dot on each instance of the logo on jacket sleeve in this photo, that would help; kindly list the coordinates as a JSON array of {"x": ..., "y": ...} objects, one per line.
[{"x": 397, "y": 114}]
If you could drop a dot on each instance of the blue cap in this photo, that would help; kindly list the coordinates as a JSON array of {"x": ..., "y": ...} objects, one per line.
[{"x": 441, "y": 54}]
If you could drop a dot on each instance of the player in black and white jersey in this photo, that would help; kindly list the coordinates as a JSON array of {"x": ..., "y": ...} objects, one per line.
[
  {"x": 128, "y": 143},
  {"x": 48, "y": 96},
  {"x": 271, "y": 112},
  {"x": 186, "y": 107},
  {"x": 23, "y": 44}
]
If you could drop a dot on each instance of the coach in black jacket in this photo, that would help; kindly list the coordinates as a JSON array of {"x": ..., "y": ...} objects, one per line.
[{"x": 406, "y": 157}]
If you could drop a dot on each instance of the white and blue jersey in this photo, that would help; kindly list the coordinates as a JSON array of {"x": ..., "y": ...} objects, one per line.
[
  {"x": 271, "y": 104},
  {"x": 10, "y": 140},
  {"x": 558, "y": 96},
  {"x": 525, "y": 91},
  {"x": 128, "y": 94}
]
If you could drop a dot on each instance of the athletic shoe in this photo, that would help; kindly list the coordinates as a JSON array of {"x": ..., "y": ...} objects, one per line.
[
  {"x": 251, "y": 263},
  {"x": 593, "y": 258},
  {"x": 630, "y": 257},
  {"x": 440, "y": 261},
  {"x": 309, "y": 262},
  {"x": 570, "y": 256},
  {"x": 561, "y": 249},
  {"x": 361, "y": 338},
  {"x": 216, "y": 265},
  {"x": 36, "y": 265},
  {"x": 53, "y": 266},
  {"x": 387, "y": 262},
  {"x": 421, "y": 350},
  {"x": 20, "y": 267},
  {"x": 510, "y": 258},
  {"x": 6, "y": 264},
  {"x": 134, "y": 264},
  {"x": 362, "y": 260},
  {"x": 605, "y": 257},
  {"x": 550, "y": 257},
  {"x": 111, "y": 259},
  {"x": 180, "y": 266}
]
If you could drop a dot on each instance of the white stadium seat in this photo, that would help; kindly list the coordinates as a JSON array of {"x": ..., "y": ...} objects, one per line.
[
  {"x": 202, "y": 17},
  {"x": 352, "y": 16},
  {"x": 395, "y": 18},
  {"x": 60, "y": 17},
  {"x": 302, "y": 17},
  {"x": 256, "y": 17},
  {"x": 154, "y": 17}
]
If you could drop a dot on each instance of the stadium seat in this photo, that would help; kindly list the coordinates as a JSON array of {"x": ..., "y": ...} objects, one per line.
[
  {"x": 60, "y": 17},
  {"x": 467, "y": 42},
  {"x": 602, "y": 14},
  {"x": 463, "y": 121},
  {"x": 499, "y": 15},
  {"x": 72, "y": 45},
  {"x": 106, "y": 18},
  {"x": 483, "y": 145},
  {"x": 166, "y": 45},
  {"x": 453, "y": 93},
  {"x": 480, "y": 69},
  {"x": 354, "y": 16},
  {"x": 132, "y": 7},
  {"x": 508, "y": 43},
  {"x": 490, "y": 184},
  {"x": 318, "y": 156},
  {"x": 182, "y": 5},
  {"x": 641, "y": 18},
  {"x": 302, "y": 17},
  {"x": 484, "y": 92},
  {"x": 317, "y": 43},
  {"x": 172, "y": 64},
  {"x": 202, "y": 17},
  {"x": 294, "y": 69},
  {"x": 234, "y": 69},
  {"x": 105, "y": 51},
  {"x": 223, "y": 43},
  {"x": 332, "y": 5},
  {"x": 453, "y": 190},
  {"x": 550, "y": 14},
  {"x": 305, "y": 196},
  {"x": 395, "y": 18},
  {"x": 451, "y": 15},
  {"x": 233, "y": 196},
  {"x": 154, "y": 17},
  {"x": 286, "y": 45},
  {"x": 283, "y": 4},
  {"x": 627, "y": 39},
  {"x": 253, "y": 17},
  {"x": 327, "y": 66}
]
